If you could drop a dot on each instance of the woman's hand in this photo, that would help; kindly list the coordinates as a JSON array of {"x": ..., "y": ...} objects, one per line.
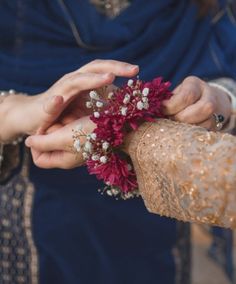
[
  {"x": 195, "y": 102},
  {"x": 55, "y": 148},
  {"x": 64, "y": 101}
]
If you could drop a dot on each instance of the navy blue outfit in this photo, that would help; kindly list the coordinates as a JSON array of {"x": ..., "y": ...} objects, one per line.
[{"x": 82, "y": 237}]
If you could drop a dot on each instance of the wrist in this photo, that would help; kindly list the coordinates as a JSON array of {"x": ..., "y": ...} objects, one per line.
[{"x": 14, "y": 112}]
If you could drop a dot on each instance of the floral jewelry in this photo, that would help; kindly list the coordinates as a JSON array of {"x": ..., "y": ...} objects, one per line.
[{"x": 125, "y": 109}]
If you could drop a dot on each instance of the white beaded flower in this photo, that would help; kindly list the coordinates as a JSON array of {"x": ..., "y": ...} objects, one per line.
[
  {"x": 85, "y": 155},
  {"x": 96, "y": 114},
  {"x": 88, "y": 146},
  {"x": 105, "y": 145},
  {"x": 126, "y": 99},
  {"x": 94, "y": 95},
  {"x": 95, "y": 157},
  {"x": 110, "y": 95},
  {"x": 77, "y": 145},
  {"x": 124, "y": 111},
  {"x": 140, "y": 105},
  {"x": 99, "y": 104},
  {"x": 145, "y": 92},
  {"x": 89, "y": 105},
  {"x": 130, "y": 82},
  {"x": 93, "y": 136},
  {"x": 103, "y": 159}
]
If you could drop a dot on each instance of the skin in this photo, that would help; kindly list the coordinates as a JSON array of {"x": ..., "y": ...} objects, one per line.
[
  {"x": 62, "y": 103},
  {"x": 194, "y": 101}
]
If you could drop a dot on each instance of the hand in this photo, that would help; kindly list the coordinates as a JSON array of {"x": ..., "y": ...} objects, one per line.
[
  {"x": 55, "y": 148},
  {"x": 64, "y": 101},
  {"x": 194, "y": 102}
]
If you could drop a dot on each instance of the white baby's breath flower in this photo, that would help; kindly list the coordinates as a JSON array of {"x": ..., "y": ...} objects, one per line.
[
  {"x": 88, "y": 146},
  {"x": 89, "y": 105},
  {"x": 136, "y": 92},
  {"x": 145, "y": 92},
  {"x": 146, "y": 105},
  {"x": 85, "y": 155},
  {"x": 115, "y": 191},
  {"x": 93, "y": 136},
  {"x": 124, "y": 111},
  {"x": 126, "y": 99},
  {"x": 96, "y": 114},
  {"x": 145, "y": 99},
  {"x": 95, "y": 157},
  {"x": 105, "y": 145},
  {"x": 109, "y": 192},
  {"x": 140, "y": 105},
  {"x": 110, "y": 95},
  {"x": 103, "y": 159},
  {"x": 99, "y": 104},
  {"x": 77, "y": 145},
  {"x": 130, "y": 82},
  {"x": 94, "y": 95}
]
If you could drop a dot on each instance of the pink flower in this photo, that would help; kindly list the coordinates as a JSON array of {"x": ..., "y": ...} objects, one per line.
[{"x": 144, "y": 104}]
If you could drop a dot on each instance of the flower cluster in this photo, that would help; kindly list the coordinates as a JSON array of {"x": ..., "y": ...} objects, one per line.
[{"x": 124, "y": 110}]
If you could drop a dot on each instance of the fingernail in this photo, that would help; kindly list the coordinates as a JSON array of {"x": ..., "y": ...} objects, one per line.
[
  {"x": 28, "y": 142},
  {"x": 132, "y": 67}
]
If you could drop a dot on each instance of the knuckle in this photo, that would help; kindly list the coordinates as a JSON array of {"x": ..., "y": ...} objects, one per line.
[
  {"x": 192, "y": 79},
  {"x": 97, "y": 61},
  {"x": 188, "y": 97},
  {"x": 191, "y": 97},
  {"x": 208, "y": 108},
  {"x": 64, "y": 78}
]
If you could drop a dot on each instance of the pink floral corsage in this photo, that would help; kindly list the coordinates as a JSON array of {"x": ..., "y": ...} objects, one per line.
[{"x": 125, "y": 109}]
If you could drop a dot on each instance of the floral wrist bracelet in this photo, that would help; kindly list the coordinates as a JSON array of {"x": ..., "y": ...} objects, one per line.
[{"x": 125, "y": 109}]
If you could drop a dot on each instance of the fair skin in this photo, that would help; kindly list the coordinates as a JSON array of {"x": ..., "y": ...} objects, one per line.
[
  {"x": 37, "y": 113},
  {"x": 194, "y": 101}
]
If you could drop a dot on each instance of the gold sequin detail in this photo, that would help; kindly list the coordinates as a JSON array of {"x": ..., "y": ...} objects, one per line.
[
  {"x": 18, "y": 255},
  {"x": 193, "y": 174}
]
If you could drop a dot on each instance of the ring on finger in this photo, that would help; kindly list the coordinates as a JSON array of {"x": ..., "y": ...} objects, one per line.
[{"x": 219, "y": 120}]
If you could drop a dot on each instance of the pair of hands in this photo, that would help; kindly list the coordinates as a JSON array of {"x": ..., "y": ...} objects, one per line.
[{"x": 63, "y": 108}]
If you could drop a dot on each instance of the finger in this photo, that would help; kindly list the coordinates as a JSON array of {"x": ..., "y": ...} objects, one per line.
[
  {"x": 196, "y": 113},
  {"x": 49, "y": 142},
  {"x": 118, "y": 68},
  {"x": 184, "y": 95},
  {"x": 55, "y": 159},
  {"x": 80, "y": 82},
  {"x": 53, "y": 128},
  {"x": 208, "y": 124},
  {"x": 53, "y": 105}
]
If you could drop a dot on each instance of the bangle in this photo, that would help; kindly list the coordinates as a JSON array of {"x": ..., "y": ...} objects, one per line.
[
  {"x": 124, "y": 110},
  {"x": 4, "y": 94},
  {"x": 227, "y": 86}
]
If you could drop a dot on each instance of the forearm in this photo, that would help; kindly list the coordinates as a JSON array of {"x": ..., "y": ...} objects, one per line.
[{"x": 186, "y": 172}]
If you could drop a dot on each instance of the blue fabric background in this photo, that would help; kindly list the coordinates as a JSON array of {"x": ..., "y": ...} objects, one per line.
[{"x": 83, "y": 237}]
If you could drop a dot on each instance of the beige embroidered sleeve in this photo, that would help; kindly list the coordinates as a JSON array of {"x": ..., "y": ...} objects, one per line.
[{"x": 186, "y": 172}]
